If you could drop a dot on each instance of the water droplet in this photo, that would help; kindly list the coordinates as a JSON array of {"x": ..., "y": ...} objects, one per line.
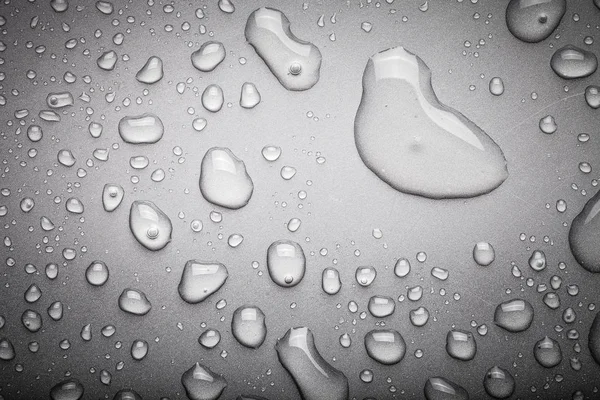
[
  {"x": 294, "y": 224},
  {"x": 386, "y": 346},
  {"x": 66, "y": 158},
  {"x": 499, "y": 383},
  {"x": 212, "y": 98},
  {"x": 55, "y": 311},
  {"x": 419, "y": 317},
  {"x": 97, "y": 273},
  {"x": 418, "y": 155},
  {"x": 151, "y": 72},
  {"x": 112, "y": 196},
  {"x": 483, "y": 254},
  {"x": 365, "y": 275},
  {"x": 331, "y": 281},
  {"x": 571, "y": 62},
  {"x": 201, "y": 383},
  {"x": 533, "y": 21},
  {"x": 34, "y": 133},
  {"x": 440, "y": 273},
  {"x": 461, "y": 345},
  {"x": 496, "y": 86},
  {"x": 208, "y": 56},
  {"x": 514, "y": 315},
  {"x": 135, "y": 302},
  {"x": 271, "y": 153},
  {"x": 584, "y": 235},
  {"x": 294, "y": 62},
  {"x": 248, "y": 326},
  {"x": 149, "y": 225},
  {"x": 381, "y": 306},
  {"x": 33, "y": 293},
  {"x": 592, "y": 97},
  {"x": 31, "y": 320},
  {"x": 537, "y": 261},
  {"x": 105, "y": 7},
  {"x": 547, "y": 352},
  {"x": 250, "y": 97},
  {"x": 7, "y": 350},
  {"x": 315, "y": 378},
  {"x": 288, "y": 172},
  {"x": 366, "y": 375},
  {"x": 70, "y": 389},
  {"x": 107, "y": 60},
  {"x": 27, "y": 204},
  {"x": 286, "y": 263},
  {"x": 139, "y": 349},
  {"x": 127, "y": 394},
  {"x": 59, "y": 100},
  {"x": 402, "y": 267},
  {"x": 209, "y": 338},
  {"x": 224, "y": 180},
  {"x": 438, "y": 388},
  {"x": 199, "y": 280},
  {"x": 141, "y": 129},
  {"x": 226, "y": 6}
]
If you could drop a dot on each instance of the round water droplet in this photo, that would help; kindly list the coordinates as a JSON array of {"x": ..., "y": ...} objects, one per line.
[
  {"x": 66, "y": 158},
  {"x": 419, "y": 316},
  {"x": 547, "y": 352},
  {"x": 484, "y": 254},
  {"x": 235, "y": 240},
  {"x": 212, "y": 98},
  {"x": 224, "y": 180},
  {"x": 294, "y": 62},
  {"x": 35, "y": 133},
  {"x": 31, "y": 320},
  {"x": 381, "y": 306},
  {"x": 97, "y": 273},
  {"x": 499, "y": 383},
  {"x": 135, "y": 302},
  {"x": 533, "y": 21},
  {"x": 59, "y": 6},
  {"x": 288, "y": 172},
  {"x": 365, "y": 275},
  {"x": 571, "y": 62},
  {"x": 331, "y": 281},
  {"x": 402, "y": 267},
  {"x": 199, "y": 280},
  {"x": 286, "y": 263},
  {"x": 537, "y": 261},
  {"x": 149, "y": 225},
  {"x": 74, "y": 205},
  {"x": 209, "y": 338},
  {"x": 209, "y": 55},
  {"x": 271, "y": 153},
  {"x": 514, "y": 315},
  {"x": 386, "y": 346},
  {"x": 127, "y": 394},
  {"x": 496, "y": 86},
  {"x": 248, "y": 326},
  {"x": 418, "y": 155},
  {"x": 139, "y": 349},
  {"x": 141, "y": 129},
  {"x": 461, "y": 345},
  {"x": 199, "y": 124},
  {"x": 201, "y": 383}
]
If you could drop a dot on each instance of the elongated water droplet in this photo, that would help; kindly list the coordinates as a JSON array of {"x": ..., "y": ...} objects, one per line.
[
  {"x": 59, "y": 100},
  {"x": 208, "y": 56},
  {"x": 496, "y": 86},
  {"x": 140, "y": 129},
  {"x": 414, "y": 144},
  {"x": 151, "y": 72},
  {"x": 402, "y": 267},
  {"x": 438, "y": 388},
  {"x": 139, "y": 349},
  {"x": 315, "y": 378},
  {"x": 97, "y": 273},
  {"x": 286, "y": 263},
  {"x": 201, "y": 383},
  {"x": 55, "y": 310},
  {"x": 381, "y": 306},
  {"x": 461, "y": 345},
  {"x": 514, "y": 315},
  {"x": 248, "y": 326},
  {"x": 70, "y": 389},
  {"x": 224, "y": 180},
  {"x": 547, "y": 352},
  {"x": 584, "y": 235},
  {"x": 592, "y": 97},
  {"x": 294, "y": 62},
  {"x": 571, "y": 62},
  {"x": 594, "y": 339},
  {"x": 7, "y": 350},
  {"x": 534, "y": 20},
  {"x": 386, "y": 346},
  {"x": 484, "y": 254},
  {"x": 105, "y": 7},
  {"x": 331, "y": 281},
  {"x": 134, "y": 301},
  {"x": 199, "y": 280},
  {"x": 250, "y": 97},
  {"x": 107, "y": 60},
  {"x": 112, "y": 196},
  {"x": 149, "y": 225}
]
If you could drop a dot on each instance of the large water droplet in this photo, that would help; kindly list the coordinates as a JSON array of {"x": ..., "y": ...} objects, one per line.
[
  {"x": 201, "y": 383},
  {"x": 584, "y": 235},
  {"x": 107, "y": 60},
  {"x": 316, "y": 378},
  {"x": 97, "y": 273},
  {"x": 151, "y": 72},
  {"x": 534, "y": 20},
  {"x": 149, "y": 225},
  {"x": 418, "y": 145},
  {"x": 381, "y": 306},
  {"x": 499, "y": 383},
  {"x": 386, "y": 346},
  {"x": 139, "y": 349},
  {"x": 145, "y": 128},
  {"x": 571, "y": 62},
  {"x": 461, "y": 345},
  {"x": 199, "y": 280},
  {"x": 248, "y": 326},
  {"x": 294, "y": 62},
  {"x": 331, "y": 281},
  {"x": 514, "y": 315},
  {"x": 224, "y": 180},
  {"x": 59, "y": 100},
  {"x": 209, "y": 55},
  {"x": 286, "y": 263},
  {"x": 135, "y": 302},
  {"x": 547, "y": 352},
  {"x": 112, "y": 196},
  {"x": 438, "y": 388},
  {"x": 70, "y": 389}
]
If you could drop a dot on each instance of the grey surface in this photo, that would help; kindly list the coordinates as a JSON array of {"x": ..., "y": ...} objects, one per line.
[{"x": 345, "y": 202}]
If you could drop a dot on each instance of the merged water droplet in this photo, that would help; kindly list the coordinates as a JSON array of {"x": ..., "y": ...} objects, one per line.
[
  {"x": 499, "y": 383},
  {"x": 315, "y": 378},
  {"x": 208, "y": 56},
  {"x": 438, "y": 388},
  {"x": 59, "y": 100},
  {"x": 151, "y": 72},
  {"x": 70, "y": 389},
  {"x": 381, "y": 306},
  {"x": 571, "y": 62},
  {"x": 286, "y": 263},
  {"x": 461, "y": 345},
  {"x": 224, "y": 180},
  {"x": 294, "y": 62},
  {"x": 199, "y": 280},
  {"x": 97, "y": 273},
  {"x": 331, "y": 281},
  {"x": 107, "y": 60},
  {"x": 248, "y": 326},
  {"x": 149, "y": 225},
  {"x": 112, "y": 196},
  {"x": 547, "y": 352},
  {"x": 201, "y": 383},
  {"x": 514, "y": 315},
  {"x": 212, "y": 98},
  {"x": 141, "y": 129},
  {"x": 250, "y": 97},
  {"x": 134, "y": 301},
  {"x": 534, "y": 20},
  {"x": 419, "y": 316},
  {"x": 386, "y": 346},
  {"x": 584, "y": 235},
  {"x": 419, "y": 145}
]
